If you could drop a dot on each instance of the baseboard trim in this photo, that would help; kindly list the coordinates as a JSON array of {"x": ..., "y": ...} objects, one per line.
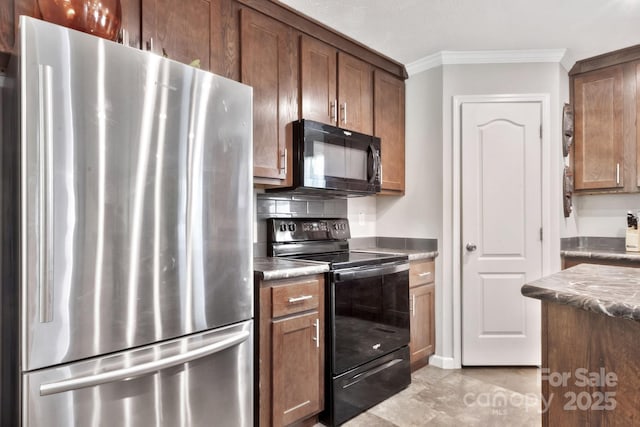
[{"x": 444, "y": 362}]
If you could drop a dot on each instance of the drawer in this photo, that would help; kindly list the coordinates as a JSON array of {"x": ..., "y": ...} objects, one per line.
[
  {"x": 295, "y": 297},
  {"x": 421, "y": 272}
]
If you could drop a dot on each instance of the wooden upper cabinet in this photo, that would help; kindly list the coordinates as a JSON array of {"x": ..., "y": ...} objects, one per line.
[
  {"x": 269, "y": 63},
  {"x": 8, "y": 26},
  {"x": 355, "y": 94},
  {"x": 178, "y": 29},
  {"x": 131, "y": 23},
  {"x": 599, "y": 145},
  {"x": 336, "y": 88},
  {"x": 10, "y": 11},
  {"x": 318, "y": 81},
  {"x": 388, "y": 125}
]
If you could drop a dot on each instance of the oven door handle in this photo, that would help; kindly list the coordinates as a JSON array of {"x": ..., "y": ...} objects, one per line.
[{"x": 368, "y": 271}]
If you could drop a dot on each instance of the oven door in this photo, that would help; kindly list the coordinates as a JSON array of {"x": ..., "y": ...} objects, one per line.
[
  {"x": 369, "y": 313},
  {"x": 336, "y": 159}
]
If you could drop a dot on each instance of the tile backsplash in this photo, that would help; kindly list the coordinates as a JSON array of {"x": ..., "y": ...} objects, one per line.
[{"x": 268, "y": 205}]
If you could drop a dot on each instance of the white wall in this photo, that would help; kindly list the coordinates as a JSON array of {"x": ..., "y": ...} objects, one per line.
[{"x": 604, "y": 215}]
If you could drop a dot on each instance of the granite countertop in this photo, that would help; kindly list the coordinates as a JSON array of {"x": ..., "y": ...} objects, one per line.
[
  {"x": 268, "y": 268},
  {"x": 413, "y": 254},
  {"x": 609, "y": 290},
  {"x": 602, "y": 248}
]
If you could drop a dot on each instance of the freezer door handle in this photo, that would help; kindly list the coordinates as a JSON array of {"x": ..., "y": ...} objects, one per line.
[
  {"x": 45, "y": 196},
  {"x": 144, "y": 368}
]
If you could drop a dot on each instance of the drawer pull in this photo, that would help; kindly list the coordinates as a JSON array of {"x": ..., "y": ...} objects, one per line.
[
  {"x": 424, "y": 274},
  {"x": 299, "y": 299}
]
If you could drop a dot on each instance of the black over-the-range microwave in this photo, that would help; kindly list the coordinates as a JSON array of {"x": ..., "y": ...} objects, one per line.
[{"x": 331, "y": 160}]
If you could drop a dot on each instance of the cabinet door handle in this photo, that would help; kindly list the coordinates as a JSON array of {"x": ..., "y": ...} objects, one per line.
[
  {"x": 316, "y": 324},
  {"x": 413, "y": 304},
  {"x": 427, "y": 273},
  {"x": 150, "y": 44},
  {"x": 343, "y": 107},
  {"x": 123, "y": 37},
  {"x": 617, "y": 173},
  {"x": 294, "y": 300},
  {"x": 333, "y": 107},
  {"x": 283, "y": 164}
]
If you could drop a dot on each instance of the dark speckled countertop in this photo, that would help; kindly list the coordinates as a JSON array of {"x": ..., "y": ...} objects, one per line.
[
  {"x": 268, "y": 268},
  {"x": 613, "y": 291},
  {"x": 413, "y": 254},
  {"x": 597, "y": 248}
]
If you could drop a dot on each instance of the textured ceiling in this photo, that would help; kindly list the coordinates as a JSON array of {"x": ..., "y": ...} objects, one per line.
[{"x": 410, "y": 30}]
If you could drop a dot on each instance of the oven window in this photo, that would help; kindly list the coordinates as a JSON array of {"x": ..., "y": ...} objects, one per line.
[
  {"x": 334, "y": 160},
  {"x": 371, "y": 318}
]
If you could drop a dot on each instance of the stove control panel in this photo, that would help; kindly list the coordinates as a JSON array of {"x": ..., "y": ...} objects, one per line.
[{"x": 282, "y": 230}]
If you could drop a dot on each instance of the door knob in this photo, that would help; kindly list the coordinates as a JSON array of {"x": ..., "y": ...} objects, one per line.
[{"x": 471, "y": 247}]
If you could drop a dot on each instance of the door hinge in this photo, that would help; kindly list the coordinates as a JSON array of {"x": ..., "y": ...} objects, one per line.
[{"x": 541, "y": 234}]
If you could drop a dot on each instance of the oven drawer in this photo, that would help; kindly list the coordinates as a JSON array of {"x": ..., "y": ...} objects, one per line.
[
  {"x": 359, "y": 389},
  {"x": 421, "y": 272},
  {"x": 295, "y": 298}
]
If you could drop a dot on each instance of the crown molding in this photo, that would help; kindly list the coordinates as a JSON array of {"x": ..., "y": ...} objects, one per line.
[{"x": 447, "y": 57}]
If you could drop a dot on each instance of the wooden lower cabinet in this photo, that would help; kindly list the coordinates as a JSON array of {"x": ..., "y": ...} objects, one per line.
[
  {"x": 290, "y": 361},
  {"x": 422, "y": 327},
  {"x": 422, "y": 308},
  {"x": 589, "y": 368}
]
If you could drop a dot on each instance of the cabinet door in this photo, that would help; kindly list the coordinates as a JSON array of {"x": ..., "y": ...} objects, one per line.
[
  {"x": 10, "y": 11},
  {"x": 422, "y": 322},
  {"x": 388, "y": 124},
  {"x": 8, "y": 26},
  {"x": 355, "y": 94},
  {"x": 318, "y": 81},
  {"x": 178, "y": 29},
  {"x": 131, "y": 22},
  {"x": 297, "y": 367},
  {"x": 599, "y": 146},
  {"x": 269, "y": 64}
]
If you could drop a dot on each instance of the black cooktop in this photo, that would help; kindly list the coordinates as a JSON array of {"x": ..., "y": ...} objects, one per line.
[
  {"x": 353, "y": 259},
  {"x": 320, "y": 239}
]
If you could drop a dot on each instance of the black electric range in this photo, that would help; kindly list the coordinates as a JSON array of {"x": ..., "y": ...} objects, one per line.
[{"x": 367, "y": 313}]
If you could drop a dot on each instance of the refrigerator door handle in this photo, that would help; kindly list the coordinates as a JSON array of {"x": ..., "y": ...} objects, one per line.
[
  {"x": 45, "y": 196},
  {"x": 144, "y": 368}
]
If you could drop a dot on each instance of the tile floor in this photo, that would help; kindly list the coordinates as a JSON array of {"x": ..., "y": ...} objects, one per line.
[{"x": 463, "y": 397}]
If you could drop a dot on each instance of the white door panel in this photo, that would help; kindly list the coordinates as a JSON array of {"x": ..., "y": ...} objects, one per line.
[{"x": 501, "y": 220}]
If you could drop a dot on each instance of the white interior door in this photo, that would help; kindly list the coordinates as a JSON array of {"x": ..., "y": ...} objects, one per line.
[{"x": 501, "y": 232}]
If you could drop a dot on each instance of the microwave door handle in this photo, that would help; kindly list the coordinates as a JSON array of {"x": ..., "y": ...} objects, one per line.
[{"x": 376, "y": 163}]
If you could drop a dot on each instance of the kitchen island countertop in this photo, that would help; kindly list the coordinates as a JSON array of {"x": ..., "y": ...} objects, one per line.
[
  {"x": 609, "y": 290},
  {"x": 274, "y": 268}
]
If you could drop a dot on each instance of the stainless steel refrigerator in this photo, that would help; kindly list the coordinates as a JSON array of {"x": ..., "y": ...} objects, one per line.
[{"x": 127, "y": 283}]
